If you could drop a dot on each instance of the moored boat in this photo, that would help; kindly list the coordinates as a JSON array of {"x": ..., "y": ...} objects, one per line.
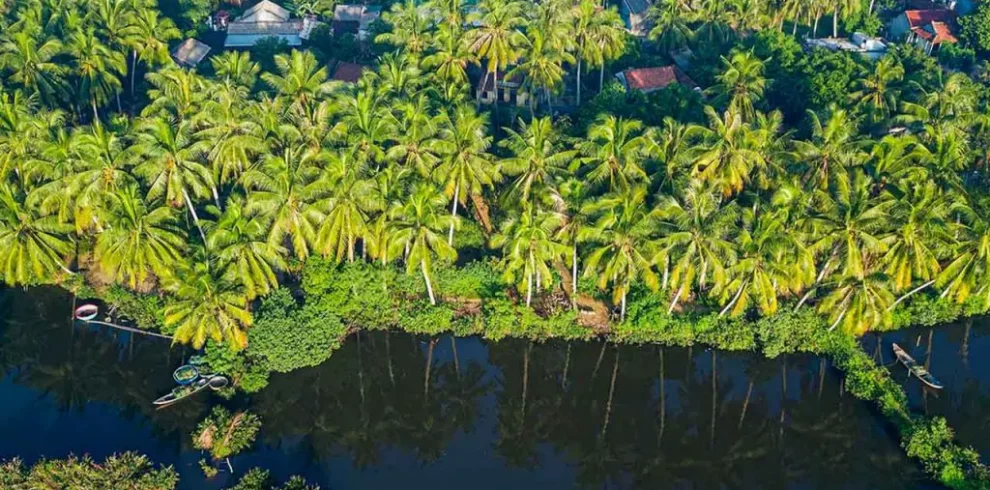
[
  {"x": 186, "y": 374},
  {"x": 916, "y": 369},
  {"x": 185, "y": 391},
  {"x": 87, "y": 312}
]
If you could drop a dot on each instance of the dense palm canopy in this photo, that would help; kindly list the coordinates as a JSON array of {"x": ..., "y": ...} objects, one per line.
[{"x": 218, "y": 184}]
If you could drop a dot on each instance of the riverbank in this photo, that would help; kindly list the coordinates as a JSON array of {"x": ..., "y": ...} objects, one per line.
[{"x": 296, "y": 329}]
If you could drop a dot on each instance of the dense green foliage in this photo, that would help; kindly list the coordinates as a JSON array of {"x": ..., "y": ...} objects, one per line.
[
  {"x": 224, "y": 434},
  {"x": 127, "y": 470}
]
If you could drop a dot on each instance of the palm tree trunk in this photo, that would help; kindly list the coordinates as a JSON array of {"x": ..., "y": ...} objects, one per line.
[
  {"x": 601, "y": 78},
  {"x": 133, "y": 70},
  {"x": 120, "y": 108},
  {"x": 549, "y": 102},
  {"x": 574, "y": 273},
  {"x": 872, "y": 4},
  {"x": 96, "y": 113},
  {"x": 481, "y": 89},
  {"x": 835, "y": 22},
  {"x": 529, "y": 286},
  {"x": 429, "y": 285},
  {"x": 453, "y": 213},
  {"x": 677, "y": 297},
  {"x": 821, "y": 275},
  {"x": 579, "y": 76},
  {"x": 910, "y": 293},
  {"x": 195, "y": 217},
  {"x": 794, "y": 27},
  {"x": 622, "y": 309},
  {"x": 734, "y": 299},
  {"x": 457, "y": 359},
  {"x": 814, "y": 30}
]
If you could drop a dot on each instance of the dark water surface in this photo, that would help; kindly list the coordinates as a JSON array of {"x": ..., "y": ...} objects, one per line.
[{"x": 393, "y": 411}]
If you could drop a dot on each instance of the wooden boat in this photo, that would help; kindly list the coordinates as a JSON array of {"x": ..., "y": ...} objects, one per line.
[
  {"x": 916, "y": 369},
  {"x": 87, "y": 312},
  {"x": 185, "y": 374},
  {"x": 182, "y": 392}
]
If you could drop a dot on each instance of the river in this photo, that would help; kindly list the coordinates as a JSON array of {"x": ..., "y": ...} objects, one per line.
[{"x": 398, "y": 411}]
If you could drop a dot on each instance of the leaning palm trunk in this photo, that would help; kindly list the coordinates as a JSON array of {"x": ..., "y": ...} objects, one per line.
[
  {"x": 429, "y": 285},
  {"x": 734, "y": 300},
  {"x": 574, "y": 275},
  {"x": 677, "y": 297},
  {"x": 910, "y": 293},
  {"x": 195, "y": 217},
  {"x": 453, "y": 213},
  {"x": 579, "y": 76}
]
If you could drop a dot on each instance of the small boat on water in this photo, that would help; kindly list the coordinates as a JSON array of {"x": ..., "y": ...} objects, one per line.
[
  {"x": 87, "y": 312},
  {"x": 185, "y": 391},
  {"x": 916, "y": 369},
  {"x": 186, "y": 374}
]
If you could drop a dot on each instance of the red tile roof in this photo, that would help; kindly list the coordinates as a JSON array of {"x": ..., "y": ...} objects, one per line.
[
  {"x": 920, "y": 18},
  {"x": 347, "y": 72},
  {"x": 936, "y": 32},
  {"x": 657, "y": 78}
]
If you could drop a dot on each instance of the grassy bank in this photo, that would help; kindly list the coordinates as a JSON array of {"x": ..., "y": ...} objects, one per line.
[{"x": 302, "y": 327}]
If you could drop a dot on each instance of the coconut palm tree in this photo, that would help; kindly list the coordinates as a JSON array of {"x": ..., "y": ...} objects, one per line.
[
  {"x": 858, "y": 303},
  {"x": 741, "y": 84},
  {"x": 696, "y": 247},
  {"x": 465, "y": 167},
  {"x": 347, "y": 209},
  {"x": 726, "y": 152},
  {"x": 849, "y": 226},
  {"x": 450, "y": 56},
  {"x": 148, "y": 36},
  {"x": 670, "y": 25},
  {"x": 399, "y": 77},
  {"x": 300, "y": 78},
  {"x": 585, "y": 47},
  {"x": 843, "y": 8},
  {"x": 31, "y": 64},
  {"x": 878, "y": 90},
  {"x": 237, "y": 67},
  {"x": 33, "y": 246},
  {"x": 419, "y": 225},
  {"x": 621, "y": 234},
  {"x": 921, "y": 231},
  {"x": 368, "y": 125},
  {"x": 772, "y": 262},
  {"x": 536, "y": 161},
  {"x": 170, "y": 163},
  {"x": 969, "y": 270},
  {"x": 232, "y": 140},
  {"x": 497, "y": 36},
  {"x": 243, "y": 253},
  {"x": 410, "y": 27},
  {"x": 137, "y": 241},
  {"x": 417, "y": 146},
  {"x": 98, "y": 69},
  {"x": 608, "y": 34},
  {"x": 834, "y": 147},
  {"x": 615, "y": 149},
  {"x": 281, "y": 191},
  {"x": 530, "y": 249},
  {"x": 542, "y": 68},
  {"x": 207, "y": 305},
  {"x": 176, "y": 93},
  {"x": 573, "y": 195}
]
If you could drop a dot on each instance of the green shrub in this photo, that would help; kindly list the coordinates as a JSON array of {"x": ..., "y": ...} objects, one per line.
[
  {"x": 127, "y": 470},
  {"x": 225, "y": 434},
  {"x": 286, "y": 336}
]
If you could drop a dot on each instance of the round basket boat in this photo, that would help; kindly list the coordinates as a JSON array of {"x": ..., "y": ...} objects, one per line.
[
  {"x": 87, "y": 312},
  {"x": 185, "y": 374}
]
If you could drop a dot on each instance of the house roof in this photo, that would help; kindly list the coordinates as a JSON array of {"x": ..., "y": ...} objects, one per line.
[
  {"x": 656, "y": 78},
  {"x": 264, "y": 11},
  {"x": 918, "y": 18},
  {"x": 364, "y": 15},
  {"x": 292, "y": 27},
  {"x": 348, "y": 72},
  {"x": 936, "y": 33},
  {"x": 191, "y": 52}
]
